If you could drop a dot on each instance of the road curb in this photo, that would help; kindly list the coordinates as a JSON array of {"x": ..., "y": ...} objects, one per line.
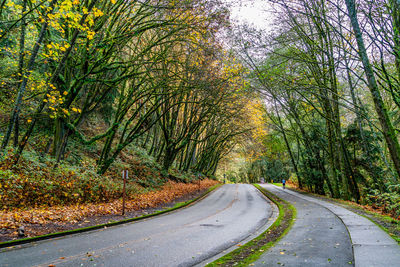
[
  {"x": 372, "y": 216},
  {"x": 371, "y": 245},
  {"x": 28, "y": 240}
]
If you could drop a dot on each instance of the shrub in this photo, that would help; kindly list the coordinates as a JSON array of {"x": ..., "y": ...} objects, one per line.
[
  {"x": 35, "y": 182},
  {"x": 389, "y": 201}
]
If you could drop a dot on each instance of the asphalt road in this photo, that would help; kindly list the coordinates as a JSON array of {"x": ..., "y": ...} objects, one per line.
[{"x": 182, "y": 238}]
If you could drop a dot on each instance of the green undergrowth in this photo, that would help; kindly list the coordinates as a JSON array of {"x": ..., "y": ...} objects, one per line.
[
  {"x": 388, "y": 202},
  {"x": 38, "y": 181},
  {"x": 252, "y": 250},
  {"x": 35, "y": 181}
]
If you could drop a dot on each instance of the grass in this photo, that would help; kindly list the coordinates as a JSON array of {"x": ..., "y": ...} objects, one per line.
[{"x": 253, "y": 249}]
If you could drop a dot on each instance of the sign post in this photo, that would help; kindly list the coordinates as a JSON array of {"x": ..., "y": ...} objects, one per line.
[
  {"x": 198, "y": 179},
  {"x": 124, "y": 176}
]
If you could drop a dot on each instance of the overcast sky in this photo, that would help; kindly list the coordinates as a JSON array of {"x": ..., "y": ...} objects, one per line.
[{"x": 256, "y": 12}]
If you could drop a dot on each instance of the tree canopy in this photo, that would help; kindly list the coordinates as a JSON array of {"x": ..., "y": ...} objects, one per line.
[{"x": 315, "y": 101}]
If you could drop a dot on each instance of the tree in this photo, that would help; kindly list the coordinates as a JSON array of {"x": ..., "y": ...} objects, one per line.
[{"x": 388, "y": 130}]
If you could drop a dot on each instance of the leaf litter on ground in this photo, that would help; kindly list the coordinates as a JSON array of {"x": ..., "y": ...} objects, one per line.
[{"x": 44, "y": 220}]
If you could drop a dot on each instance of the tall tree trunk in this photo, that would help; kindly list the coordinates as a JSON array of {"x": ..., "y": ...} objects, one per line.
[
  {"x": 169, "y": 156},
  {"x": 395, "y": 13},
  {"x": 387, "y": 127},
  {"x": 23, "y": 84},
  {"x": 21, "y": 61},
  {"x": 288, "y": 148},
  {"x": 53, "y": 79},
  {"x": 58, "y": 136},
  {"x": 16, "y": 131}
]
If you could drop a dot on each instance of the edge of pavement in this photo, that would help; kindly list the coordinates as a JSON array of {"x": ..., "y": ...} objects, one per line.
[
  {"x": 12, "y": 243},
  {"x": 286, "y": 214},
  {"x": 372, "y": 246},
  {"x": 251, "y": 236}
]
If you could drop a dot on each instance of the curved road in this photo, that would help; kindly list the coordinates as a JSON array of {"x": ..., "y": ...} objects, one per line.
[{"x": 183, "y": 238}]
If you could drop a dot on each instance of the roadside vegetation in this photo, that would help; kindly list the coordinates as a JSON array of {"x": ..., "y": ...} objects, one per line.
[
  {"x": 91, "y": 82},
  {"x": 60, "y": 218}
]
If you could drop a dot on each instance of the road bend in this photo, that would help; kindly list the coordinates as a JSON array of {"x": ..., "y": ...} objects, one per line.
[{"x": 185, "y": 237}]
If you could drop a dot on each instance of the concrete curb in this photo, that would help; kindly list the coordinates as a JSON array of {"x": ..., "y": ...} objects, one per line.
[
  {"x": 372, "y": 246},
  {"x": 99, "y": 226}
]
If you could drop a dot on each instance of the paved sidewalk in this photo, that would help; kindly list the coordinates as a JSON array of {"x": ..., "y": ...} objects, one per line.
[
  {"x": 325, "y": 234},
  {"x": 371, "y": 245},
  {"x": 317, "y": 238}
]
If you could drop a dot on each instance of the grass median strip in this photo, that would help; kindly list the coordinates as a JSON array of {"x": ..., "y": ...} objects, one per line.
[
  {"x": 90, "y": 228},
  {"x": 252, "y": 250}
]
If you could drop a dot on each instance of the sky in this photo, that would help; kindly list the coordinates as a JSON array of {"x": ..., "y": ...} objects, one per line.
[{"x": 256, "y": 12}]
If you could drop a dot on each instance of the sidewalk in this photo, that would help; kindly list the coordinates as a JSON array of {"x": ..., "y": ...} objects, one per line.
[
  {"x": 371, "y": 245},
  {"x": 325, "y": 234}
]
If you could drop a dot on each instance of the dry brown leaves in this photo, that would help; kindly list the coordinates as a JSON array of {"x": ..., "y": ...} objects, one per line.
[{"x": 74, "y": 213}]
